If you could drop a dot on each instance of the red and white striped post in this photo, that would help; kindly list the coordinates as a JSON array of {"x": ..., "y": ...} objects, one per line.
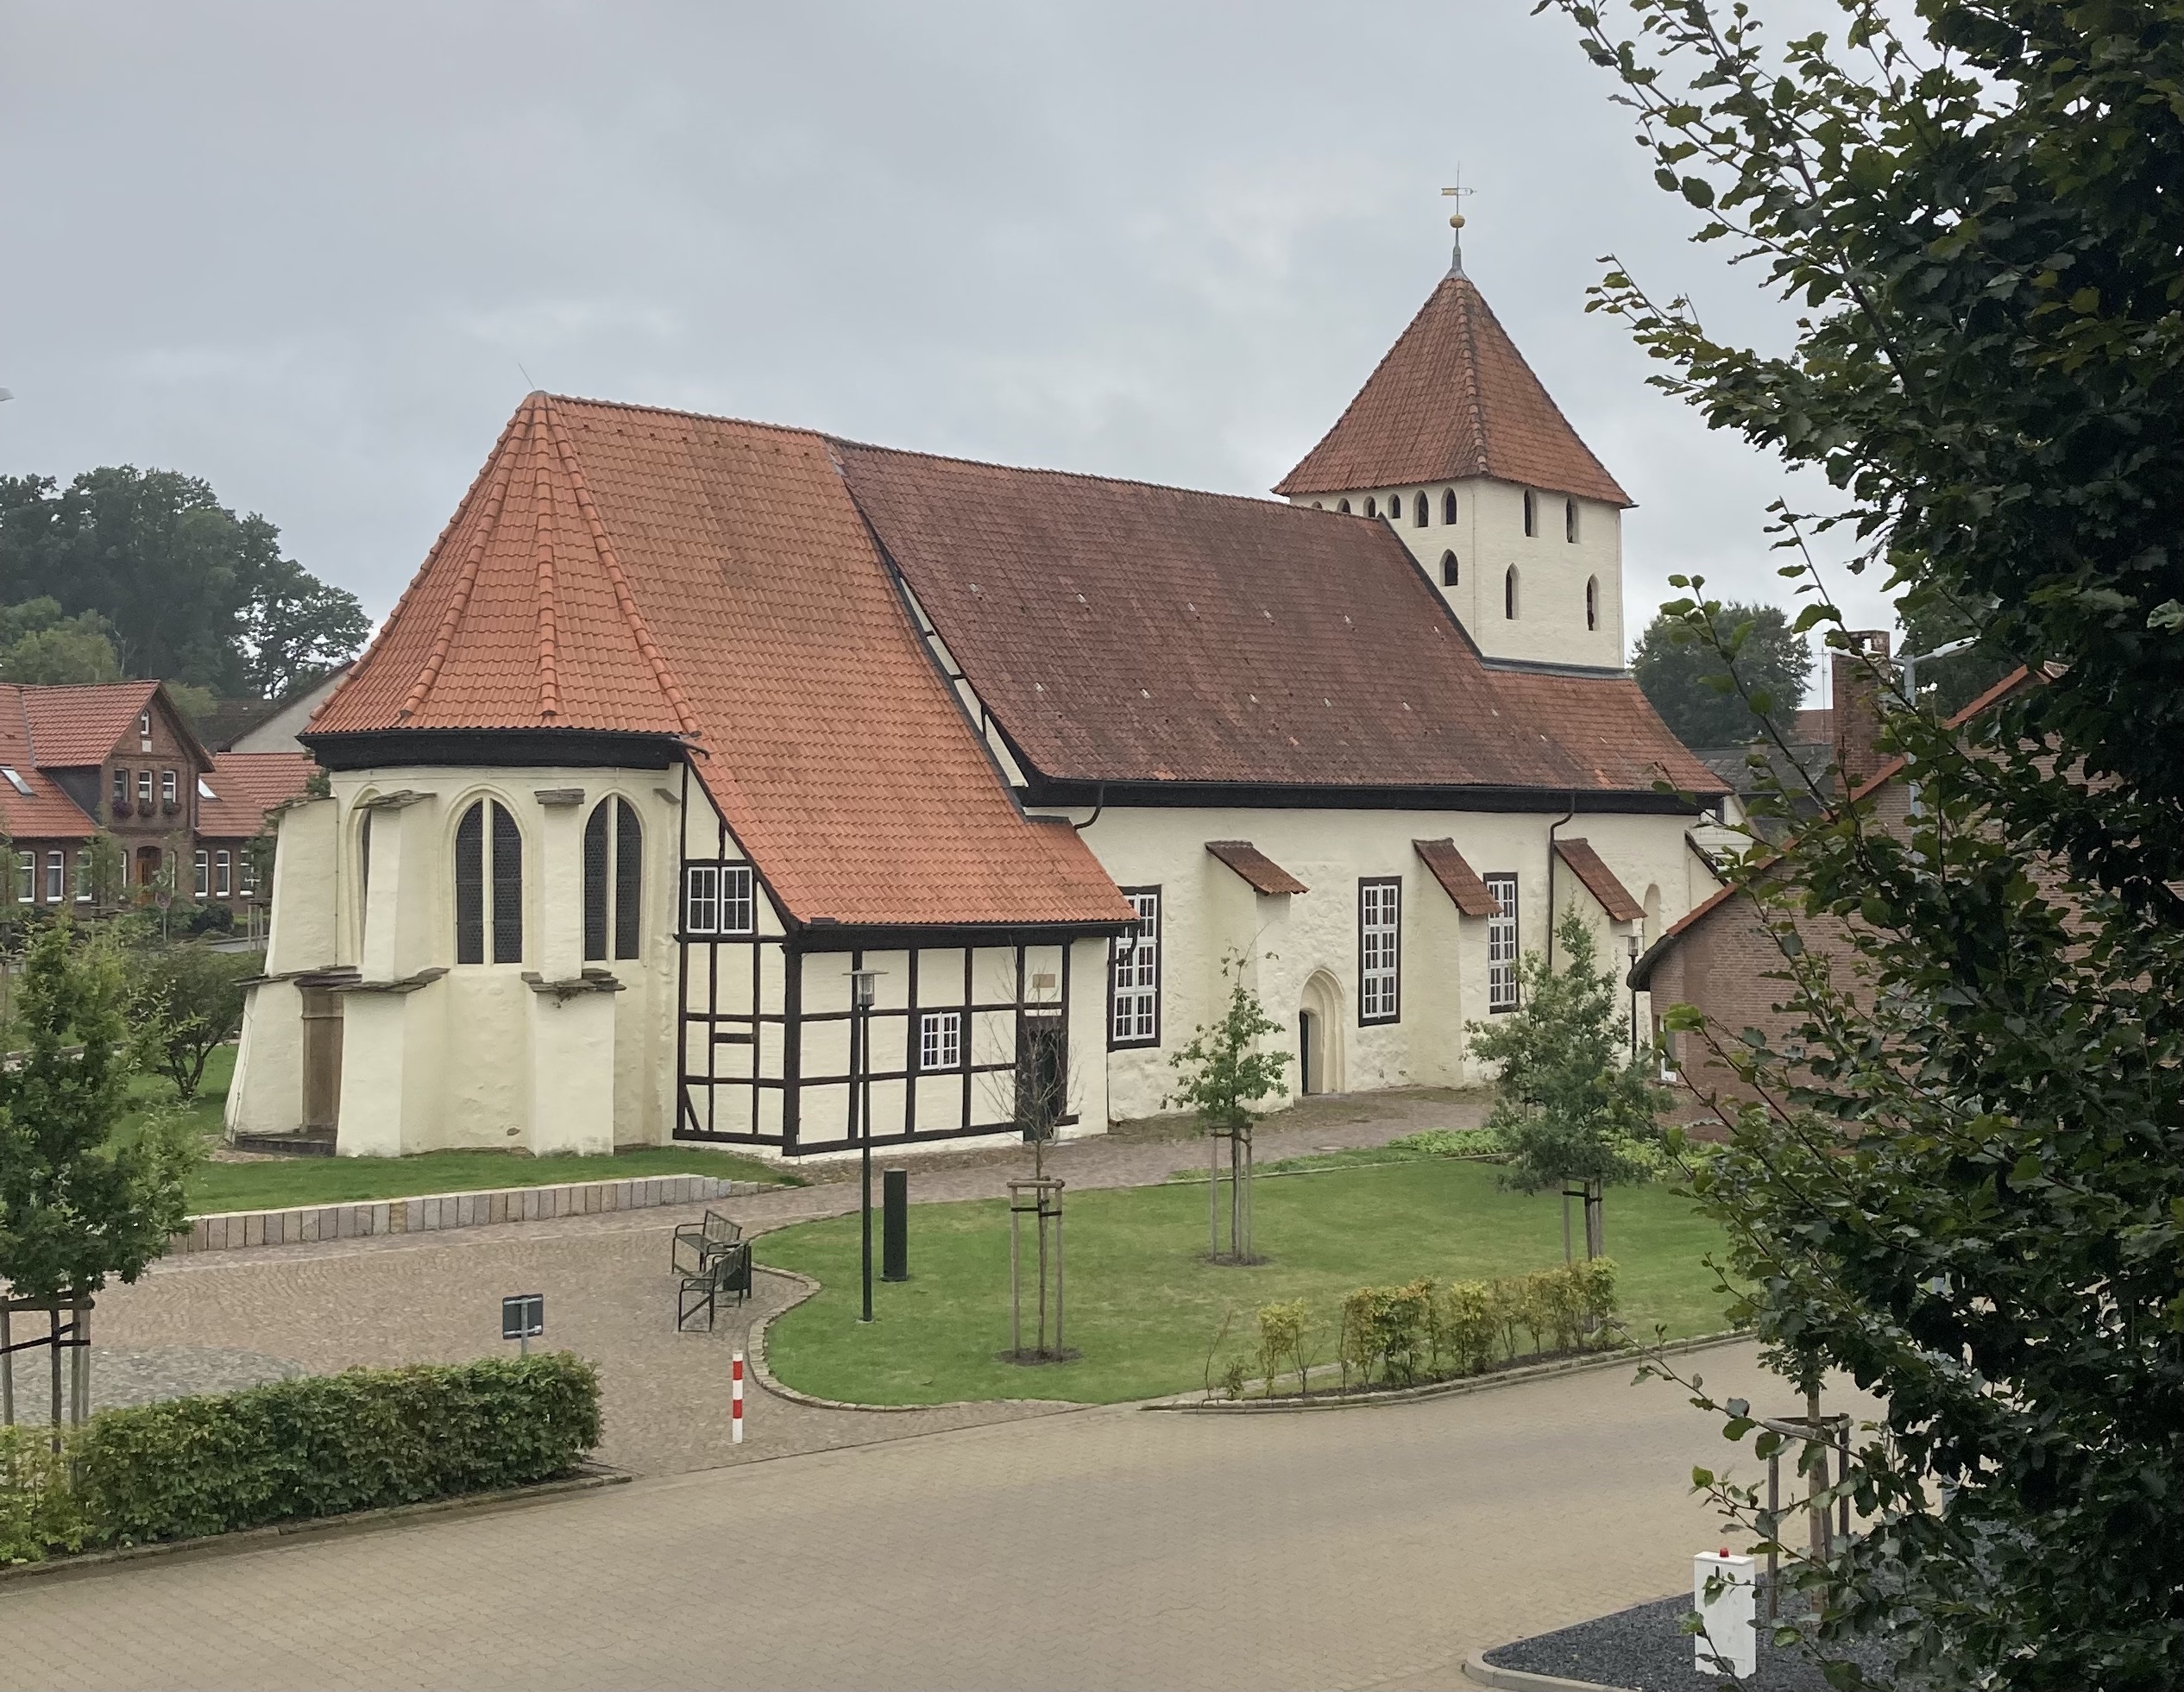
[{"x": 735, "y": 1399}]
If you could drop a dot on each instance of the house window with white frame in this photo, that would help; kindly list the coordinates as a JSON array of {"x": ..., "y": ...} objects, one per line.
[
  {"x": 719, "y": 899},
  {"x": 1380, "y": 917},
  {"x": 82, "y": 875},
  {"x": 144, "y": 791},
  {"x": 56, "y": 877},
  {"x": 170, "y": 789},
  {"x": 223, "y": 875},
  {"x": 249, "y": 873},
  {"x": 1134, "y": 976},
  {"x": 26, "y": 877},
  {"x": 1502, "y": 942},
  {"x": 940, "y": 1040},
  {"x": 203, "y": 884}
]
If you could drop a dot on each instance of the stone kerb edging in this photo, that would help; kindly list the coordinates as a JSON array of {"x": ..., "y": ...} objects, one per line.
[
  {"x": 234, "y": 1230},
  {"x": 755, "y": 1355},
  {"x": 1521, "y": 1679},
  {"x": 1457, "y": 1388}
]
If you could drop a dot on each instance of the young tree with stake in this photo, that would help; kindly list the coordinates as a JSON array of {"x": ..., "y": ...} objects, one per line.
[{"x": 1224, "y": 1071}]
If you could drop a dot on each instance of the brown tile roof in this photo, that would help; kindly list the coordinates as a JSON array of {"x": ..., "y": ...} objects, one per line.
[
  {"x": 1121, "y": 632},
  {"x": 247, "y": 785},
  {"x": 619, "y": 568},
  {"x": 1600, "y": 881},
  {"x": 70, "y": 728},
  {"x": 1452, "y": 398},
  {"x": 1264, "y": 875},
  {"x": 1459, "y": 880}
]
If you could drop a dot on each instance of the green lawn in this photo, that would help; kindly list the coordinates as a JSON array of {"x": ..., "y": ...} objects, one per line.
[
  {"x": 335, "y": 1181},
  {"x": 1143, "y": 1305}
]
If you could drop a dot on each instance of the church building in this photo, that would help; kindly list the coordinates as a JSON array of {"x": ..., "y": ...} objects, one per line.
[{"x": 688, "y": 722}]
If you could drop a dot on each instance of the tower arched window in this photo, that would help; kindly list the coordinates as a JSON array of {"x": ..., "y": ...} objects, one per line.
[
  {"x": 1452, "y": 574},
  {"x": 1448, "y": 506},
  {"x": 1343, "y": 506},
  {"x": 1530, "y": 513},
  {"x": 1569, "y": 521},
  {"x": 613, "y": 880},
  {"x": 1509, "y": 593},
  {"x": 489, "y": 885},
  {"x": 1592, "y": 602},
  {"x": 1421, "y": 510}
]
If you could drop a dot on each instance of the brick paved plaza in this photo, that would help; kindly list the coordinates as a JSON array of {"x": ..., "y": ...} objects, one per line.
[
  {"x": 994, "y": 1545},
  {"x": 1106, "y": 1547}
]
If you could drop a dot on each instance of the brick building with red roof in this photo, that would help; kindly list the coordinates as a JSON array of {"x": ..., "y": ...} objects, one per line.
[
  {"x": 686, "y": 719},
  {"x": 119, "y": 759}
]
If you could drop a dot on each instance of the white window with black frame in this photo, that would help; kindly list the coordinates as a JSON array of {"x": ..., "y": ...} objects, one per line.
[
  {"x": 1502, "y": 942},
  {"x": 1380, "y": 917},
  {"x": 1136, "y": 986}
]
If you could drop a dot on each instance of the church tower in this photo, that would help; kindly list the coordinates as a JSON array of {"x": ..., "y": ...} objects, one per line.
[{"x": 1454, "y": 443}]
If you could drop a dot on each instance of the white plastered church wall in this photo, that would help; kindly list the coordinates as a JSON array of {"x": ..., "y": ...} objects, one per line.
[
  {"x": 1208, "y": 912},
  {"x": 438, "y": 1054},
  {"x": 1489, "y": 540}
]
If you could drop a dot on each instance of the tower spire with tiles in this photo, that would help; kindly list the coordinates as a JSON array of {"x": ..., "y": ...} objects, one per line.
[{"x": 1455, "y": 442}]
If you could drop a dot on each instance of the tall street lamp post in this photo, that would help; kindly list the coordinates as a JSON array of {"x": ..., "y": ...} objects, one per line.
[{"x": 862, "y": 983}]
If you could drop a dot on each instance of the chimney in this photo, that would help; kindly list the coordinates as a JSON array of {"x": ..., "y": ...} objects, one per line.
[{"x": 1858, "y": 676}]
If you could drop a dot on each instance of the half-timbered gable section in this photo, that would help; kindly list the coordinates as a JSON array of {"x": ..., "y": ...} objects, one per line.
[{"x": 649, "y": 756}]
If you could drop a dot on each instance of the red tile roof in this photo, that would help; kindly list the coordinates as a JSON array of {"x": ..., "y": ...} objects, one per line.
[
  {"x": 46, "y": 812},
  {"x": 247, "y": 785},
  {"x": 1600, "y": 881},
  {"x": 1124, "y": 632},
  {"x": 71, "y": 726},
  {"x": 1452, "y": 398},
  {"x": 619, "y": 568},
  {"x": 1264, "y": 875},
  {"x": 1458, "y": 879}
]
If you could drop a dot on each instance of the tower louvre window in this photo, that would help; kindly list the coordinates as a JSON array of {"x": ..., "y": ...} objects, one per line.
[
  {"x": 1372, "y": 507},
  {"x": 1451, "y": 573},
  {"x": 1569, "y": 521},
  {"x": 1509, "y": 593},
  {"x": 1531, "y": 514},
  {"x": 1421, "y": 510},
  {"x": 1448, "y": 506},
  {"x": 1592, "y": 602}
]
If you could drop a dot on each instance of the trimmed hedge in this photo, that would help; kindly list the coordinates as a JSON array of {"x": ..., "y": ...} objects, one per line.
[{"x": 323, "y": 1445}]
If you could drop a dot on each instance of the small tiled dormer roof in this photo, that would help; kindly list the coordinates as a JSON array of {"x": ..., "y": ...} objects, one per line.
[
  {"x": 1600, "y": 881},
  {"x": 245, "y": 786},
  {"x": 1260, "y": 871},
  {"x": 1458, "y": 879},
  {"x": 625, "y": 569},
  {"x": 1453, "y": 398}
]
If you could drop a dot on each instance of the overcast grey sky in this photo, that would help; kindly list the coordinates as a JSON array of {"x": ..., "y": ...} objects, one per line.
[{"x": 308, "y": 252}]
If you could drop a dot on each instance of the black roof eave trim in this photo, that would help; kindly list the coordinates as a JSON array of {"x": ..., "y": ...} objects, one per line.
[
  {"x": 1309, "y": 796},
  {"x": 498, "y": 748},
  {"x": 823, "y": 936}
]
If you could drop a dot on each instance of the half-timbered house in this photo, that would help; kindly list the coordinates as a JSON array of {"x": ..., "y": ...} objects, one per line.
[{"x": 685, "y": 719}]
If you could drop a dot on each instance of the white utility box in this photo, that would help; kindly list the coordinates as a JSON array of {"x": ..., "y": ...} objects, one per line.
[{"x": 1731, "y": 1641}]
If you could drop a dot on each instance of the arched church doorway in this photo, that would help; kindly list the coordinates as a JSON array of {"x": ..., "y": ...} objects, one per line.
[{"x": 1320, "y": 1036}]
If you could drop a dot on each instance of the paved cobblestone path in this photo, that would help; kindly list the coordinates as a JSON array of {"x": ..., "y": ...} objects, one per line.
[
  {"x": 435, "y": 1298},
  {"x": 1105, "y": 1547}
]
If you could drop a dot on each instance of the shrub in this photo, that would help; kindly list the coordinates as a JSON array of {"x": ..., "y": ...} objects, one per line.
[
  {"x": 1452, "y": 1141},
  {"x": 1463, "y": 1327},
  {"x": 324, "y": 1444},
  {"x": 1282, "y": 1330},
  {"x": 38, "y": 1514}
]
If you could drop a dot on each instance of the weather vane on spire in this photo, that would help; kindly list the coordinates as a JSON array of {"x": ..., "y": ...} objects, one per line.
[{"x": 1456, "y": 221}]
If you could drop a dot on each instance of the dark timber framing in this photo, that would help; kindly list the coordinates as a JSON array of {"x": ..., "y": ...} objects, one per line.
[{"x": 772, "y": 1033}]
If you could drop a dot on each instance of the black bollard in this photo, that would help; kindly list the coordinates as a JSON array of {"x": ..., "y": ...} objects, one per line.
[{"x": 895, "y": 1225}]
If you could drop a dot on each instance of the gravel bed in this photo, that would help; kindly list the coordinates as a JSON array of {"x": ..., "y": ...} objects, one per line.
[{"x": 1644, "y": 1650}]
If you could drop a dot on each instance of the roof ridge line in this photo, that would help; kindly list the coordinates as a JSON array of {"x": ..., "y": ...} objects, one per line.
[
  {"x": 466, "y": 579},
  {"x": 1257, "y": 502},
  {"x": 543, "y": 596},
  {"x": 1471, "y": 399},
  {"x": 565, "y": 448}
]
